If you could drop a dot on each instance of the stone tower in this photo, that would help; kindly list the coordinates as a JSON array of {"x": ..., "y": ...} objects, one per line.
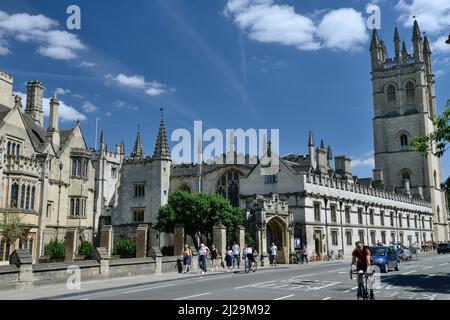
[
  {"x": 404, "y": 107},
  {"x": 162, "y": 164},
  {"x": 35, "y": 92}
]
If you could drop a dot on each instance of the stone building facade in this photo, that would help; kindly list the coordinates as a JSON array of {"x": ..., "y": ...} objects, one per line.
[
  {"x": 319, "y": 202},
  {"x": 405, "y": 107},
  {"x": 46, "y": 173}
]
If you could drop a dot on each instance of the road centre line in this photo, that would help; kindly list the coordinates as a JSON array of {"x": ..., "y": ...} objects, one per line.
[
  {"x": 150, "y": 288},
  {"x": 285, "y": 297},
  {"x": 193, "y": 296},
  {"x": 410, "y": 272},
  {"x": 255, "y": 284}
]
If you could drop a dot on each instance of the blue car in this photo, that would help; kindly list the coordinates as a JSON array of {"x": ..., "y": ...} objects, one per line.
[{"x": 386, "y": 258}]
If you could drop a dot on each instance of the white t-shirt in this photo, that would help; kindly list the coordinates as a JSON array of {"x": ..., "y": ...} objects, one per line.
[
  {"x": 236, "y": 249},
  {"x": 248, "y": 250},
  {"x": 273, "y": 250}
]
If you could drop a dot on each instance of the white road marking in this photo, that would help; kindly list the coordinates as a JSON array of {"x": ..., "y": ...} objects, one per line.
[
  {"x": 85, "y": 299},
  {"x": 255, "y": 284},
  {"x": 149, "y": 288},
  {"x": 409, "y": 272},
  {"x": 193, "y": 296},
  {"x": 443, "y": 264},
  {"x": 408, "y": 267},
  {"x": 325, "y": 286},
  {"x": 429, "y": 267},
  {"x": 327, "y": 298},
  {"x": 305, "y": 275},
  {"x": 285, "y": 297}
]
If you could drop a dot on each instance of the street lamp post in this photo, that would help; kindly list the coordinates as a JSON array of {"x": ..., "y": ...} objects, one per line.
[{"x": 59, "y": 199}]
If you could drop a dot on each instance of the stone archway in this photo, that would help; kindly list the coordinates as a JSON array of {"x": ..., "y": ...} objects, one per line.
[{"x": 277, "y": 232}]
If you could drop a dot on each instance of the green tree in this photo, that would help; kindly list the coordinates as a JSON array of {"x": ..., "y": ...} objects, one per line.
[
  {"x": 440, "y": 138},
  {"x": 85, "y": 249},
  {"x": 11, "y": 227},
  {"x": 199, "y": 213},
  {"x": 55, "y": 249}
]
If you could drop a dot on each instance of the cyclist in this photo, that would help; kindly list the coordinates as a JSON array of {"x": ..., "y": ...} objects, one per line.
[{"x": 361, "y": 259}]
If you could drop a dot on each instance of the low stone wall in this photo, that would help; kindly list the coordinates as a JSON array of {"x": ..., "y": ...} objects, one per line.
[{"x": 57, "y": 272}]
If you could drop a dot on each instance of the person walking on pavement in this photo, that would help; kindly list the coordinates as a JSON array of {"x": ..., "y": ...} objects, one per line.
[
  {"x": 229, "y": 259},
  {"x": 214, "y": 258},
  {"x": 236, "y": 255},
  {"x": 273, "y": 255},
  {"x": 202, "y": 256},
  {"x": 305, "y": 253},
  {"x": 187, "y": 258}
]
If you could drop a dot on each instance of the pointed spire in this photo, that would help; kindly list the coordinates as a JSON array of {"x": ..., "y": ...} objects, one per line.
[
  {"x": 162, "y": 151},
  {"x": 383, "y": 47},
  {"x": 375, "y": 43},
  {"x": 404, "y": 50},
  {"x": 397, "y": 43},
  {"x": 138, "y": 150},
  {"x": 416, "y": 31},
  {"x": 426, "y": 45},
  {"x": 102, "y": 138},
  {"x": 269, "y": 148},
  {"x": 329, "y": 154},
  {"x": 311, "y": 138},
  {"x": 322, "y": 145}
]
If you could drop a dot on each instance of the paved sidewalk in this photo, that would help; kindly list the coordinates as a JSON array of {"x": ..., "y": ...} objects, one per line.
[{"x": 60, "y": 290}]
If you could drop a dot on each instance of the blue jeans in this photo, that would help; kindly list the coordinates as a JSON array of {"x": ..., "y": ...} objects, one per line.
[{"x": 203, "y": 263}]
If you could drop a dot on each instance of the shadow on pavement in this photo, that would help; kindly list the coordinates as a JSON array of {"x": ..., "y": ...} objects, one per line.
[{"x": 438, "y": 283}]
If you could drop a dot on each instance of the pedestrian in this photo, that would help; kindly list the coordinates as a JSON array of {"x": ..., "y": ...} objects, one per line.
[
  {"x": 305, "y": 253},
  {"x": 202, "y": 256},
  {"x": 273, "y": 254},
  {"x": 229, "y": 258},
  {"x": 214, "y": 258},
  {"x": 236, "y": 255},
  {"x": 187, "y": 258}
]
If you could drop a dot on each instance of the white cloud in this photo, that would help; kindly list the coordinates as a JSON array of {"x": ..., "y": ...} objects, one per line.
[
  {"x": 368, "y": 162},
  {"x": 343, "y": 29},
  {"x": 267, "y": 22},
  {"x": 61, "y": 91},
  {"x": 87, "y": 64},
  {"x": 129, "y": 81},
  {"x": 78, "y": 96},
  {"x": 264, "y": 21},
  {"x": 119, "y": 104},
  {"x": 433, "y": 15},
  {"x": 153, "y": 88},
  {"x": 88, "y": 107},
  {"x": 66, "y": 113},
  {"x": 52, "y": 43},
  {"x": 108, "y": 114},
  {"x": 439, "y": 46}
]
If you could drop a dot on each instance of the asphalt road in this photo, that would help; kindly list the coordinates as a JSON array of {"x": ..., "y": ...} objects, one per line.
[{"x": 425, "y": 279}]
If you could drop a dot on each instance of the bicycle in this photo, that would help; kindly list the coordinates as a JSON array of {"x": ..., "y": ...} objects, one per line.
[
  {"x": 250, "y": 266},
  {"x": 364, "y": 292}
]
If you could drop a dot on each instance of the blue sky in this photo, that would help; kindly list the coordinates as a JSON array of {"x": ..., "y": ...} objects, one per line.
[{"x": 287, "y": 64}]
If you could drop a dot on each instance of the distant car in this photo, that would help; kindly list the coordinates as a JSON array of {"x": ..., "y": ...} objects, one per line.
[
  {"x": 404, "y": 254},
  {"x": 385, "y": 258},
  {"x": 443, "y": 247}
]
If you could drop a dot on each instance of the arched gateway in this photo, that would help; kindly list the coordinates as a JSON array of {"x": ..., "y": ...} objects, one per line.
[{"x": 273, "y": 224}]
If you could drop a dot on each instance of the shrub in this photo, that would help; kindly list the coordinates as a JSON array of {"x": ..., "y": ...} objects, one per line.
[
  {"x": 55, "y": 249},
  {"x": 85, "y": 249},
  {"x": 125, "y": 248}
]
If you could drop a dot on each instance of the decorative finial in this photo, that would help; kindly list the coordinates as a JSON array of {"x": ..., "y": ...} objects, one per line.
[{"x": 78, "y": 121}]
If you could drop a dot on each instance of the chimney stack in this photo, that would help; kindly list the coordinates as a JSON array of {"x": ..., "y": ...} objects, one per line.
[{"x": 35, "y": 93}]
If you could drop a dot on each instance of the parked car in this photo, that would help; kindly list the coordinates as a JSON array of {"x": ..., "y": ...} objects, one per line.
[
  {"x": 405, "y": 254},
  {"x": 385, "y": 258},
  {"x": 443, "y": 247}
]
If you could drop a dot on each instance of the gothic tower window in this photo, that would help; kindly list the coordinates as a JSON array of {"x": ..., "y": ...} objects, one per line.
[
  {"x": 410, "y": 93},
  {"x": 228, "y": 186},
  {"x": 14, "y": 195},
  {"x": 27, "y": 202},
  {"x": 435, "y": 179},
  {"x": 403, "y": 140},
  {"x": 391, "y": 95},
  {"x": 22, "y": 197},
  {"x": 33, "y": 194}
]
